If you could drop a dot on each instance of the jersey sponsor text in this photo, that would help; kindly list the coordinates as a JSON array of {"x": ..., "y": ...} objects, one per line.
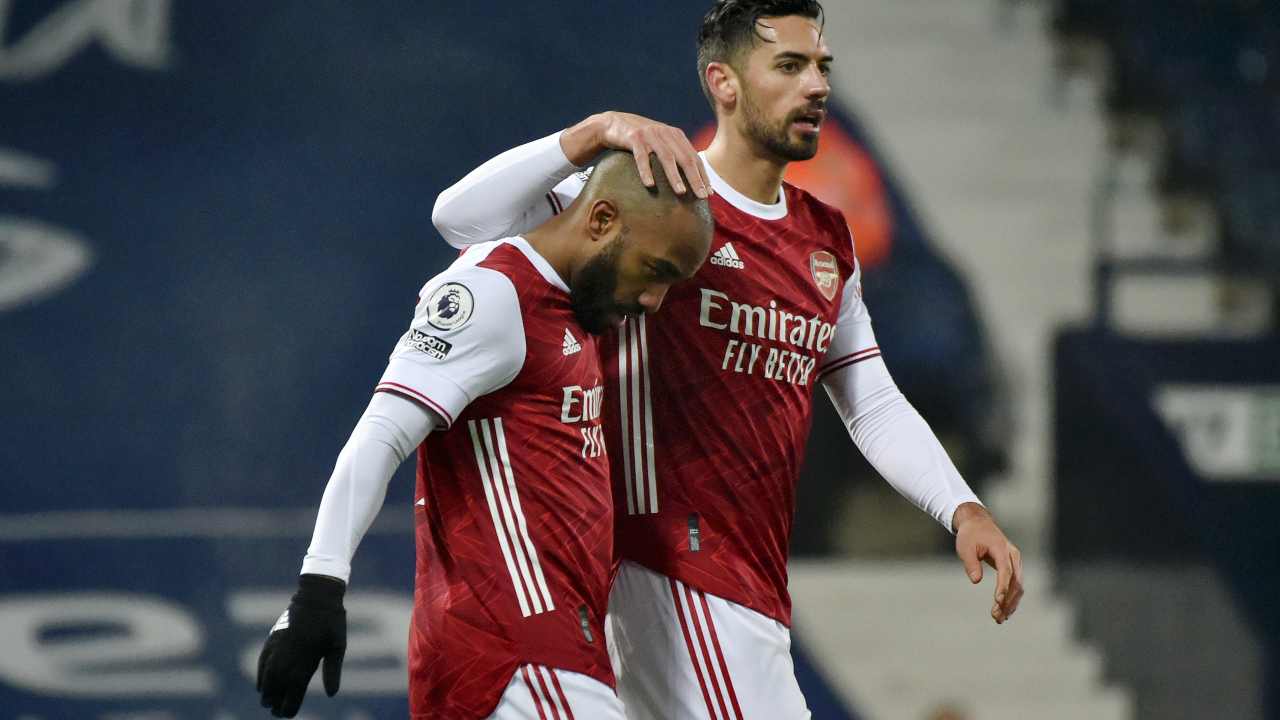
[
  {"x": 581, "y": 404},
  {"x": 719, "y": 312}
]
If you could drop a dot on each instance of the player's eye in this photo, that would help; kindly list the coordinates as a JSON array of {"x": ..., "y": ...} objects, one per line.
[
  {"x": 789, "y": 67},
  {"x": 825, "y": 70}
]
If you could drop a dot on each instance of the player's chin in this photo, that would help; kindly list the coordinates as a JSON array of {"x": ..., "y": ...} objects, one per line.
[
  {"x": 598, "y": 323},
  {"x": 803, "y": 144}
]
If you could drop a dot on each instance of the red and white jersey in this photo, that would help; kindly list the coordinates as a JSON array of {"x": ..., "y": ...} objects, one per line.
[
  {"x": 710, "y": 400},
  {"x": 514, "y": 515}
]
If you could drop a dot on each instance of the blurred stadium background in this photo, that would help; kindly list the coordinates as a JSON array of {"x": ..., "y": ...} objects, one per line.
[{"x": 214, "y": 217}]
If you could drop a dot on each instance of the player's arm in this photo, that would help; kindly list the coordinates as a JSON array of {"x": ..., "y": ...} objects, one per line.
[
  {"x": 507, "y": 195},
  {"x": 523, "y": 187},
  {"x": 388, "y": 431},
  {"x": 313, "y": 627},
  {"x": 902, "y": 447},
  {"x": 460, "y": 346}
]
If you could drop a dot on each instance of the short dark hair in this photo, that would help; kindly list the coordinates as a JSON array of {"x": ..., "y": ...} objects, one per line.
[{"x": 730, "y": 25}]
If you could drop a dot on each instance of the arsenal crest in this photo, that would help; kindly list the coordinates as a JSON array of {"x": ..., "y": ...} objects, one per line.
[{"x": 826, "y": 273}]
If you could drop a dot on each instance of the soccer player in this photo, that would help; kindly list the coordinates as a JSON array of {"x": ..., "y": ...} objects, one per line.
[
  {"x": 498, "y": 384},
  {"x": 709, "y": 405}
]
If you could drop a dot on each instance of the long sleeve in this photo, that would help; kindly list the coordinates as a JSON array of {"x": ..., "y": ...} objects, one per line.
[
  {"x": 459, "y": 346},
  {"x": 891, "y": 434},
  {"x": 385, "y": 435},
  {"x": 508, "y": 195}
]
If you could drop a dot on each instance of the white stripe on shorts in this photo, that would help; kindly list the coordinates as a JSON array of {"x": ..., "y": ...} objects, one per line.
[
  {"x": 703, "y": 645},
  {"x": 682, "y": 653},
  {"x": 537, "y": 692}
]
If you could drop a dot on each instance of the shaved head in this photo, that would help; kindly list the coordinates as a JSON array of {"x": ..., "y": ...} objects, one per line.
[{"x": 615, "y": 178}]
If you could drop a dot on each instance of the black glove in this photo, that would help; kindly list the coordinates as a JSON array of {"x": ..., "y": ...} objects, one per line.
[{"x": 313, "y": 627}]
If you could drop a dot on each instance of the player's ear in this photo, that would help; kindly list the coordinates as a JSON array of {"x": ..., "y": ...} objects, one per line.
[
  {"x": 602, "y": 219},
  {"x": 722, "y": 81}
]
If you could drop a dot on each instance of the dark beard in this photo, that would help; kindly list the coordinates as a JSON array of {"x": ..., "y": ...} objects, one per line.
[
  {"x": 594, "y": 287},
  {"x": 777, "y": 139}
]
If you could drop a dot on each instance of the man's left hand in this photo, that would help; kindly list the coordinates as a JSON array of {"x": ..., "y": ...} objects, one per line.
[{"x": 979, "y": 540}]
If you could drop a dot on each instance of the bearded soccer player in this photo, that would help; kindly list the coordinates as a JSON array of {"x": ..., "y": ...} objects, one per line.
[
  {"x": 709, "y": 405},
  {"x": 498, "y": 384}
]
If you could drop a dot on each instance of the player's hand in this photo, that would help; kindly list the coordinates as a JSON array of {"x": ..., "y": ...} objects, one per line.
[
  {"x": 978, "y": 540},
  {"x": 313, "y": 628},
  {"x": 640, "y": 136}
]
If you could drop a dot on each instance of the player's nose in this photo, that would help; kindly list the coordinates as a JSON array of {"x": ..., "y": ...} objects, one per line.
[{"x": 818, "y": 87}]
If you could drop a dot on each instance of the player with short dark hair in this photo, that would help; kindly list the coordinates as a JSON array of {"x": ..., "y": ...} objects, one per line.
[
  {"x": 498, "y": 384},
  {"x": 731, "y": 29},
  {"x": 709, "y": 405}
]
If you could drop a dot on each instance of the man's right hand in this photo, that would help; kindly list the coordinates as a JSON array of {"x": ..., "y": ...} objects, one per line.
[
  {"x": 640, "y": 136},
  {"x": 314, "y": 627}
]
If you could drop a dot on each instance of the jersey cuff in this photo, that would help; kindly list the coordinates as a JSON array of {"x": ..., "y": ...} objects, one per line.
[
  {"x": 566, "y": 165},
  {"x": 949, "y": 512},
  {"x": 432, "y": 390},
  {"x": 326, "y": 566}
]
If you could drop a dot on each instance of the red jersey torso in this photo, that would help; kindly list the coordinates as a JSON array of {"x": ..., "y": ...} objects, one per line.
[
  {"x": 710, "y": 400},
  {"x": 515, "y": 521}
]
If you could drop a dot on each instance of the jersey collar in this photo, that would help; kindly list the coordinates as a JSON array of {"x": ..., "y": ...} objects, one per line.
[
  {"x": 539, "y": 262},
  {"x": 776, "y": 211}
]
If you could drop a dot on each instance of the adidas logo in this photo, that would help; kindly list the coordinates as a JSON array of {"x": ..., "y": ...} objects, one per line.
[
  {"x": 726, "y": 256},
  {"x": 571, "y": 344}
]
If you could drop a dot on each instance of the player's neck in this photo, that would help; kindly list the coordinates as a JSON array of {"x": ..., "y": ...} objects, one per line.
[
  {"x": 746, "y": 170},
  {"x": 548, "y": 240}
]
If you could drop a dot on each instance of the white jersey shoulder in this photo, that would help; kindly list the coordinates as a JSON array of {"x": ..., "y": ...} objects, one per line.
[{"x": 466, "y": 339}]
